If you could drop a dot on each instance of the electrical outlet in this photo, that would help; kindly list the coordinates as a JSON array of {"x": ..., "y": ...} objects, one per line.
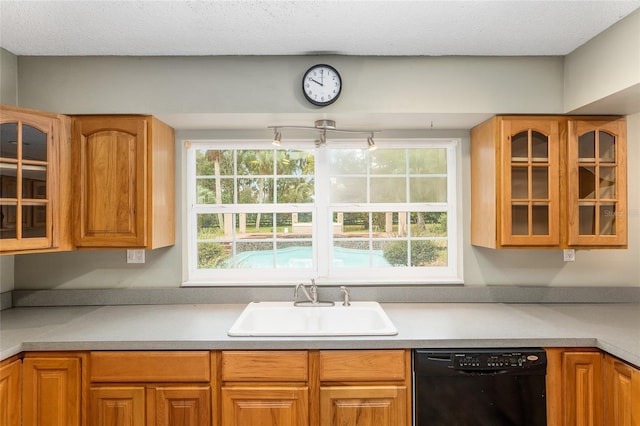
[
  {"x": 135, "y": 256},
  {"x": 569, "y": 255}
]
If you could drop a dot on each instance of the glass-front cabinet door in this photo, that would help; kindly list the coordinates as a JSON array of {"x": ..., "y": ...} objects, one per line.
[
  {"x": 25, "y": 181},
  {"x": 597, "y": 203},
  {"x": 530, "y": 182}
]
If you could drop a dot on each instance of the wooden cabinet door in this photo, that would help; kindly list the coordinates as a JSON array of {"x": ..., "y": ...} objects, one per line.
[
  {"x": 530, "y": 188},
  {"x": 10, "y": 401},
  {"x": 181, "y": 406},
  {"x": 265, "y": 406},
  {"x": 622, "y": 393},
  {"x": 35, "y": 182},
  {"x": 363, "y": 406},
  {"x": 110, "y": 156},
  {"x": 117, "y": 406},
  {"x": 582, "y": 388},
  {"x": 597, "y": 183},
  {"x": 51, "y": 391}
]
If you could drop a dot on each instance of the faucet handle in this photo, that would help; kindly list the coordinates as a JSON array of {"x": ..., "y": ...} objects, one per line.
[{"x": 347, "y": 296}]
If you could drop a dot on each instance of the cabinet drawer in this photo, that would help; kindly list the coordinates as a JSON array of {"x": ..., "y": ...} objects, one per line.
[
  {"x": 362, "y": 365},
  {"x": 262, "y": 366},
  {"x": 124, "y": 367}
]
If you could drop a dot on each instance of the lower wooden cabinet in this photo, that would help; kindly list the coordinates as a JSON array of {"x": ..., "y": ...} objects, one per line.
[
  {"x": 317, "y": 388},
  {"x": 363, "y": 405},
  {"x": 154, "y": 406},
  {"x": 265, "y": 405},
  {"x": 622, "y": 393},
  {"x": 365, "y": 388},
  {"x": 266, "y": 388},
  {"x": 150, "y": 388},
  {"x": 117, "y": 406},
  {"x": 276, "y": 388},
  {"x": 51, "y": 390},
  {"x": 10, "y": 395},
  {"x": 574, "y": 387}
]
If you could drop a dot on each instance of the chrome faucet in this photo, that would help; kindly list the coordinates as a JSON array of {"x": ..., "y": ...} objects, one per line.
[{"x": 311, "y": 295}]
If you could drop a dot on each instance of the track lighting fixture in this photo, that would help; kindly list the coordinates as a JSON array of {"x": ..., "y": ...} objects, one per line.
[
  {"x": 371, "y": 143},
  {"x": 323, "y": 127},
  {"x": 276, "y": 137}
]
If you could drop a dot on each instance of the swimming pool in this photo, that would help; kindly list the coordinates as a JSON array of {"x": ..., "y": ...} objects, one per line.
[{"x": 301, "y": 257}]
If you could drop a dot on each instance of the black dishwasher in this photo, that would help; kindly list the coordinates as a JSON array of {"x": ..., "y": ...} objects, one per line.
[{"x": 480, "y": 387}]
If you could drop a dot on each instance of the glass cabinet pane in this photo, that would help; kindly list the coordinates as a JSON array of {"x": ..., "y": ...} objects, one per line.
[
  {"x": 34, "y": 221},
  {"x": 539, "y": 147},
  {"x": 586, "y": 182},
  {"x": 540, "y": 183},
  {"x": 34, "y": 182},
  {"x": 519, "y": 182},
  {"x": 34, "y": 144},
  {"x": 587, "y": 219},
  {"x": 607, "y": 182},
  {"x": 23, "y": 183},
  {"x": 540, "y": 219},
  {"x": 519, "y": 219},
  {"x": 587, "y": 147},
  {"x": 8, "y": 221},
  {"x": 9, "y": 140},
  {"x": 520, "y": 147},
  {"x": 8, "y": 185},
  {"x": 607, "y": 219},
  {"x": 607, "y": 147}
]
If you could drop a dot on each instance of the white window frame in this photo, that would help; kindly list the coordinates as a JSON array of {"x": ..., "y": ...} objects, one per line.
[{"x": 322, "y": 212}]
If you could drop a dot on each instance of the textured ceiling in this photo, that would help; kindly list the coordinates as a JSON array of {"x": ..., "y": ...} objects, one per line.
[{"x": 252, "y": 27}]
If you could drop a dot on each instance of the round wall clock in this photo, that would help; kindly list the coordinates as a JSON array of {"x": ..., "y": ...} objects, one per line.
[{"x": 321, "y": 84}]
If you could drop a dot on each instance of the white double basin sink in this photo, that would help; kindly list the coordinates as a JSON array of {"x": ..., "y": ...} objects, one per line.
[{"x": 281, "y": 319}]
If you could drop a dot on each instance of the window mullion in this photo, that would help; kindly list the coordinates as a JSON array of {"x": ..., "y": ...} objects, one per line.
[{"x": 323, "y": 214}]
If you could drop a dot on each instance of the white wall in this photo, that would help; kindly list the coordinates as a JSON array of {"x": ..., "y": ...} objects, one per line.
[
  {"x": 8, "y": 78},
  {"x": 604, "y": 69},
  {"x": 272, "y": 85},
  {"x": 8, "y": 96}
]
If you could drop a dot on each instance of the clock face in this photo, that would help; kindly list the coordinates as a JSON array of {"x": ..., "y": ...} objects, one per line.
[{"x": 321, "y": 85}]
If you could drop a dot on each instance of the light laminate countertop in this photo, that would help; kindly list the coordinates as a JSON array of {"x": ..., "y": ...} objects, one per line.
[{"x": 614, "y": 328}]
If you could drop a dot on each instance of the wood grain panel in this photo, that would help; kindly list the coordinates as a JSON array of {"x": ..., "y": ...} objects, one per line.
[
  {"x": 622, "y": 393},
  {"x": 363, "y": 406},
  {"x": 583, "y": 388},
  {"x": 10, "y": 393},
  {"x": 160, "y": 366},
  {"x": 265, "y": 406},
  {"x": 117, "y": 406},
  {"x": 182, "y": 406},
  {"x": 51, "y": 391},
  {"x": 262, "y": 366},
  {"x": 365, "y": 365}
]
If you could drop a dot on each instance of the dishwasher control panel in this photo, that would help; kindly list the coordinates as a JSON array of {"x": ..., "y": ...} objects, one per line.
[
  {"x": 448, "y": 361},
  {"x": 496, "y": 360}
]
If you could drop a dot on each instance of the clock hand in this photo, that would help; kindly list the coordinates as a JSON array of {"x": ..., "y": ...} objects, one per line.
[{"x": 316, "y": 81}]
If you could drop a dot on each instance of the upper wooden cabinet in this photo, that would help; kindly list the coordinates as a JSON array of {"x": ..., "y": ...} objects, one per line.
[
  {"x": 124, "y": 188},
  {"x": 34, "y": 181},
  {"x": 549, "y": 182},
  {"x": 597, "y": 183}
]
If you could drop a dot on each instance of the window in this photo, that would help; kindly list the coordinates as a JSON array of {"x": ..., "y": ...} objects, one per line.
[{"x": 259, "y": 214}]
